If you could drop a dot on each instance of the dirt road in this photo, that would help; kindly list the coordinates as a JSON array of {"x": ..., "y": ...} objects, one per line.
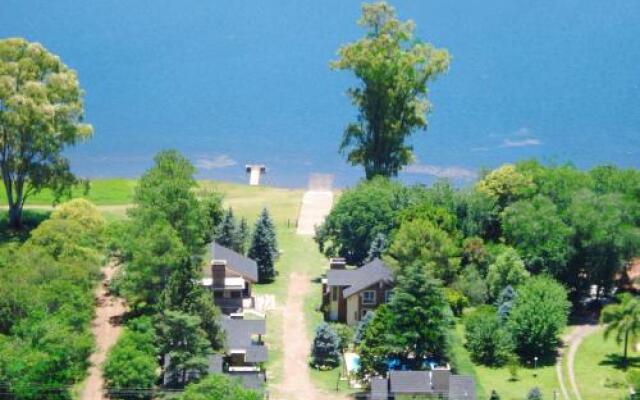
[{"x": 105, "y": 329}]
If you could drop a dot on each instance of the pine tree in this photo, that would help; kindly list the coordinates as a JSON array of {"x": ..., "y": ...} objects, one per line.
[
  {"x": 263, "y": 247},
  {"x": 494, "y": 395},
  {"x": 378, "y": 246},
  {"x": 325, "y": 352},
  {"x": 505, "y": 301},
  {"x": 227, "y": 234},
  {"x": 244, "y": 234},
  {"x": 534, "y": 394},
  {"x": 186, "y": 345},
  {"x": 362, "y": 327}
]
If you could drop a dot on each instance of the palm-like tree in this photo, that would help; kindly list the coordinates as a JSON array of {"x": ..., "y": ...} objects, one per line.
[{"x": 622, "y": 318}]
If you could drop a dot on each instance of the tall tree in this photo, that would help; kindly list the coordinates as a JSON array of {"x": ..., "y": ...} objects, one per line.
[
  {"x": 41, "y": 114},
  {"x": 360, "y": 214},
  {"x": 165, "y": 192},
  {"x": 420, "y": 316},
  {"x": 394, "y": 68},
  {"x": 227, "y": 232},
  {"x": 536, "y": 230},
  {"x": 508, "y": 269},
  {"x": 244, "y": 235},
  {"x": 264, "y": 247},
  {"x": 420, "y": 241},
  {"x": 219, "y": 387},
  {"x": 185, "y": 344},
  {"x": 623, "y": 319}
]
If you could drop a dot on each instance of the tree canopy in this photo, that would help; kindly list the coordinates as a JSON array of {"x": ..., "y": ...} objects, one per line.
[
  {"x": 394, "y": 68},
  {"x": 41, "y": 115}
]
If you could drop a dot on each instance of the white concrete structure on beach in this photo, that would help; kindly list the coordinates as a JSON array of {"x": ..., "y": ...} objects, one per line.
[{"x": 255, "y": 171}]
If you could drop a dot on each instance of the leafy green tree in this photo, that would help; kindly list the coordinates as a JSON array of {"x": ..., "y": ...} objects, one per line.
[
  {"x": 359, "y": 215},
  {"x": 362, "y": 327},
  {"x": 487, "y": 340},
  {"x": 378, "y": 247},
  {"x": 507, "y": 269},
  {"x": 394, "y": 68},
  {"x": 152, "y": 252},
  {"x": 534, "y": 394},
  {"x": 420, "y": 316},
  {"x": 219, "y": 387},
  {"x": 264, "y": 248},
  {"x": 605, "y": 237},
  {"x": 374, "y": 347},
  {"x": 538, "y": 316},
  {"x": 623, "y": 319},
  {"x": 166, "y": 192},
  {"x": 184, "y": 342},
  {"x": 345, "y": 335},
  {"x": 227, "y": 234},
  {"x": 457, "y": 301},
  {"x": 472, "y": 285},
  {"x": 41, "y": 115},
  {"x": 477, "y": 214},
  {"x": 420, "y": 241},
  {"x": 506, "y": 185},
  {"x": 132, "y": 362},
  {"x": 474, "y": 253},
  {"x": 325, "y": 351},
  {"x": 610, "y": 179},
  {"x": 536, "y": 230}
]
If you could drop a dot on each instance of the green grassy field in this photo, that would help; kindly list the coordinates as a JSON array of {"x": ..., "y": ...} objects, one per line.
[
  {"x": 598, "y": 369},
  {"x": 499, "y": 379}
]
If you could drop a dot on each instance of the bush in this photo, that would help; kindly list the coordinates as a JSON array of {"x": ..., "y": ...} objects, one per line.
[
  {"x": 538, "y": 315},
  {"x": 325, "y": 353},
  {"x": 345, "y": 334},
  {"x": 486, "y": 338},
  {"x": 534, "y": 394},
  {"x": 132, "y": 362}
]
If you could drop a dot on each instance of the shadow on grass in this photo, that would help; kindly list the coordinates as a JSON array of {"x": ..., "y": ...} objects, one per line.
[
  {"x": 618, "y": 362},
  {"x": 30, "y": 220}
]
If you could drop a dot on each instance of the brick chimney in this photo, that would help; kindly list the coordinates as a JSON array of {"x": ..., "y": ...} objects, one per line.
[
  {"x": 337, "y": 263},
  {"x": 218, "y": 272}
]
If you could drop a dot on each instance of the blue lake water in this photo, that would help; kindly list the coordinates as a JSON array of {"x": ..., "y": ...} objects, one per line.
[{"x": 233, "y": 82}]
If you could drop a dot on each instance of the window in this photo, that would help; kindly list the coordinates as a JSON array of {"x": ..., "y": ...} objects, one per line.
[
  {"x": 368, "y": 297},
  {"x": 334, "y": 293},
  {"x": 387, "y": 295}
]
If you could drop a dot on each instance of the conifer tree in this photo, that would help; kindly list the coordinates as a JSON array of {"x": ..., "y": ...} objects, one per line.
[
  {"x": 264, "y": 247},
  {"x": 325, "y": 352},
  {"x": 378, "y": 246},
  {"x": 534, "y": 394},
  {"x": 505, "y": 301},
  {"x": 244, "y": 234},
  {"x": 494, "y": 395},
  {"x": 362, "y": 327},
  {"x": 227, "y": 234}
]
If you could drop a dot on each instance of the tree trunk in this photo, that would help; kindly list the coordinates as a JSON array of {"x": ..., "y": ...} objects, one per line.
[{"x": 15, "y": 215}]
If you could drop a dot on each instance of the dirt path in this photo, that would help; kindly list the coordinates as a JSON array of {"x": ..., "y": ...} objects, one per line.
[
  {"x": 316, "y": 203},
  {"x": 297, "y": 382},
  {"x": 106, "y": 330},
  {"x": 572, "y": 342}
]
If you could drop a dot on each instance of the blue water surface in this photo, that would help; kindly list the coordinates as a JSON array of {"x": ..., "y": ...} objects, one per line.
[{"x": 233, "y": 82}]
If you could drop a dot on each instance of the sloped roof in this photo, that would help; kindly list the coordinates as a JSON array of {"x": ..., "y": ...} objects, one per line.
[
  {"x": 238, "y": 333},
  {"x": 250, "y": 380},
  {"x": 462, "y": 388},
  {"x": 409, "y": 382},
  {"x": 379, "y": 388},
  {"x": 237, "y": 262},
  {"x": 360, "y": 278}
]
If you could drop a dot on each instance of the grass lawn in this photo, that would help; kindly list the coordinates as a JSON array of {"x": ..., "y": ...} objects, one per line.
[
  {"x": 498, "y": 379},
  {"x": 598, "y": 369}
]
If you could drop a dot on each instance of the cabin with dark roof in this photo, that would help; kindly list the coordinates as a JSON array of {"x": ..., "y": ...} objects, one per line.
[
  {"x": 230, "y": 276},
  {"x": 437, "y": 383},
  {"x": 349, "y": 294}
]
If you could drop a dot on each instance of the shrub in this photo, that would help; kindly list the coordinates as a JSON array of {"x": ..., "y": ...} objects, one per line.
[
  {"x": 486, "y": 338},
  {"x": 325, "y": 352}
]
